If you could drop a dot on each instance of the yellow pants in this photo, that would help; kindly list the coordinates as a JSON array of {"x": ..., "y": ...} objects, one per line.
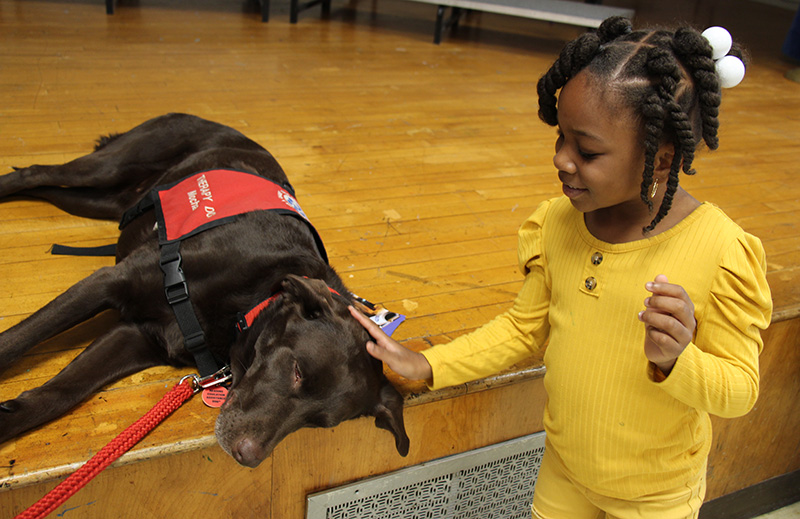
[{"x": 558, "y": 497}]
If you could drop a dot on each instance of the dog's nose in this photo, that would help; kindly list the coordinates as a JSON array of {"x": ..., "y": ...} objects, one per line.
[{"x": 248, "y": 453}]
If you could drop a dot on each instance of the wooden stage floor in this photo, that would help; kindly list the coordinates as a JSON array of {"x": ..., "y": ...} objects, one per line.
[{"x": 416, "y": 162}]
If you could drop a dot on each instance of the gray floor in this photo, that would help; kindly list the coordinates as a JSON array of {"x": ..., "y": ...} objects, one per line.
[{"x": 787, "y": 512}]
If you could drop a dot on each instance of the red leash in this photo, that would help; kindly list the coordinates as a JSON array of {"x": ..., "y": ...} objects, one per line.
[{"x": 121, "y": 444}]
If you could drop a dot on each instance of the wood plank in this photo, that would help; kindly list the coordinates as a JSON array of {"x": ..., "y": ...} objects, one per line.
[{"x": 764, "y": 443}]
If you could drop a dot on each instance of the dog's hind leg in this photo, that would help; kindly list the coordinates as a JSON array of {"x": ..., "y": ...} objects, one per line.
[
  {"x": 120, "y": 352},
  {"x": 123, "y": 167},
  {"x": 84, "y": 187}
]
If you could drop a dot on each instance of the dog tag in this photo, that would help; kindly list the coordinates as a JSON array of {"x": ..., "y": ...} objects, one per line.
[
  {"x": 387, "y": 321},
  {"x": 215, "y": 396}
]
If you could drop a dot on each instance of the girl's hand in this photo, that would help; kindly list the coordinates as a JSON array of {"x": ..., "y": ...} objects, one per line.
[
  {"x": 400, "y": 359},
  {"x": 670, "y": 322}
]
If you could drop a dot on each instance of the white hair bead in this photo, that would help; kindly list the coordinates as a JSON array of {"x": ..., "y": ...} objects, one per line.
[
  {"x": 730, "y": 70},
  {"x": 720, "y": 40}
]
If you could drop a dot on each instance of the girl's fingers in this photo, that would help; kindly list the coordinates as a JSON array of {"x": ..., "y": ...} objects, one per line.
[
  {"x": 368, "y": 323},
  {"x": 376, "y": 351},
  {"x": 400, "y": 359},
  {"x": 669, "y": 320},
  {"x": 671, "y": 300},
  {"x": 669, "y": 326}
]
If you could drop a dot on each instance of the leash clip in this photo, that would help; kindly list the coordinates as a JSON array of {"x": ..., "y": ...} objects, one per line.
[{"x": 220, "y": 378}]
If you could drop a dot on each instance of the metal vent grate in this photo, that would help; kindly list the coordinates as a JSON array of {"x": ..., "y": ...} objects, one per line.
[{"x": 490, "y": 483}]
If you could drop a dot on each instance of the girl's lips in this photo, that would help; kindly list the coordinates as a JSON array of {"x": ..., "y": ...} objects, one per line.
[{"x": 571, "y": 192}]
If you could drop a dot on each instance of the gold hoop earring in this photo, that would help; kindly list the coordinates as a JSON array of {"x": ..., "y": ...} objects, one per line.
[{"x": 655, "y": 189}]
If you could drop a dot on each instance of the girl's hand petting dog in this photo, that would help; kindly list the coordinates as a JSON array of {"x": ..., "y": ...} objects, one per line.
[{"x": 400, "y": 359}]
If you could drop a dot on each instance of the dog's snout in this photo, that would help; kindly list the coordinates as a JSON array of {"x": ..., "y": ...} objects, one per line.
[{"x": 248, "y": 453}]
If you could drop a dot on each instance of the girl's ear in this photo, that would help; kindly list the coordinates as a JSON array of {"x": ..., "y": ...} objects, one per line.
[{"x": 663, "y": 161}]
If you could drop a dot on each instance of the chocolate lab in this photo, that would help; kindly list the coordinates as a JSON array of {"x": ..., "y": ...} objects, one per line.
[{"x": 216, "y": 265}]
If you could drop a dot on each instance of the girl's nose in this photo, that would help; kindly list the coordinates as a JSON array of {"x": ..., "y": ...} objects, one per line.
[{"x": 563, "y": 162}]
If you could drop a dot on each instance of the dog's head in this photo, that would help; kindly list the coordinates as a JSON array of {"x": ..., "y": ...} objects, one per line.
[{"x": 303, "y": 363}]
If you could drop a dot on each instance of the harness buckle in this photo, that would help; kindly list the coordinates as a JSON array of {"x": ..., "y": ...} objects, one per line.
[
  {"x": 193, "y": 341},
  {"x": 175, "y": 286},
  {"x": 241, "y": 322},
  {"x": 177, "y": 293}
]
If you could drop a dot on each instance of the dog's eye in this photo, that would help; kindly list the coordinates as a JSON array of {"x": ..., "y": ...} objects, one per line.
[{"x": 297, "y": 376}]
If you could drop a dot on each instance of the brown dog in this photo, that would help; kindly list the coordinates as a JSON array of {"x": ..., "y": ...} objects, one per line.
[{"x": 297, "y": 360}]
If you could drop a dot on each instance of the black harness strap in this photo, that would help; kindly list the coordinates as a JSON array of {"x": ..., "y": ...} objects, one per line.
[
  {"x": 101, "y": 250},
  {"x": 177, "y": 292},
  {"x": 128, "y": 216},
  {"x": 146, "y": 203}
]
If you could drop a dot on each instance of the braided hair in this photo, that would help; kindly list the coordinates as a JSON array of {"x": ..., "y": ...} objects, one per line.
[{"x": 667, "y": 78}]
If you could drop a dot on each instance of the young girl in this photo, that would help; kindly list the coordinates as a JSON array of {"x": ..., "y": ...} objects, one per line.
[{"x": 650, "y": 302}]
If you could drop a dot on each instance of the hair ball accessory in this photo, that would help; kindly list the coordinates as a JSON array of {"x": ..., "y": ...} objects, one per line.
[
  {"x": 730, "y": 69},
  {"x": 720, "y": 40}
]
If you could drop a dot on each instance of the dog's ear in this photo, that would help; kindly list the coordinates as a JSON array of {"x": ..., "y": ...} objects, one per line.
[
  {"x": 313, "y": 294},
  {"x": 389, "y": 415}
]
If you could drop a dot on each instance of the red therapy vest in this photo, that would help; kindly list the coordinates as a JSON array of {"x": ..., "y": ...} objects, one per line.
[{"x": 210, "y": 198}]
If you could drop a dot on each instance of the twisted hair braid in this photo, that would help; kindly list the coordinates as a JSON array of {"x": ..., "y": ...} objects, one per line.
[
  {"x": 573, "y": 58},
  {"x": 653, "y": 112},
  {"x": 695, "y": 51},
  {"x": 666, "y": 78}
]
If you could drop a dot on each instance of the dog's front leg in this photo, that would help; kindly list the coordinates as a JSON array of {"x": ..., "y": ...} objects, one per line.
[
  {"x": 120, "y": 352},
  {"x": 81, "y": 301}
]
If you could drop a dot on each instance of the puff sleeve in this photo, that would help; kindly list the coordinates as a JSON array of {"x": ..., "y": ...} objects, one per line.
[
  {"x": 718, "y": 372},
  {"x": 511, "y": 336}
]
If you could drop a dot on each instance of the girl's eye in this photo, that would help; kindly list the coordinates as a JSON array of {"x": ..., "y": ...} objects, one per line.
[{"x": 585, "y": 155}]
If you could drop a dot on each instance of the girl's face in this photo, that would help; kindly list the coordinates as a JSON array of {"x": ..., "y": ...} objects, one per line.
[{"x": 599, "y": 154}]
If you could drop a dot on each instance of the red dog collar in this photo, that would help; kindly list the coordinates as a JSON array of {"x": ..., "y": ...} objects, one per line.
[{"x": 245, "y": 321}]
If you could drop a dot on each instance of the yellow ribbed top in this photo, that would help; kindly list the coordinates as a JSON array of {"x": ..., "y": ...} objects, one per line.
[{"x": 617, "y": 429}]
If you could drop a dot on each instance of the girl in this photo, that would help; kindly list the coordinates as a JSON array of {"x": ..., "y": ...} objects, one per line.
[{"x": 650, "y": 302}]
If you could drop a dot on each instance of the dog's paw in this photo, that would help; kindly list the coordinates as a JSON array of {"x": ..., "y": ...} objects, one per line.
[
  {"x": 14, "y": 419},
  {"x": 9, "y": 406},
  {"x": 7, "y": 420}
]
